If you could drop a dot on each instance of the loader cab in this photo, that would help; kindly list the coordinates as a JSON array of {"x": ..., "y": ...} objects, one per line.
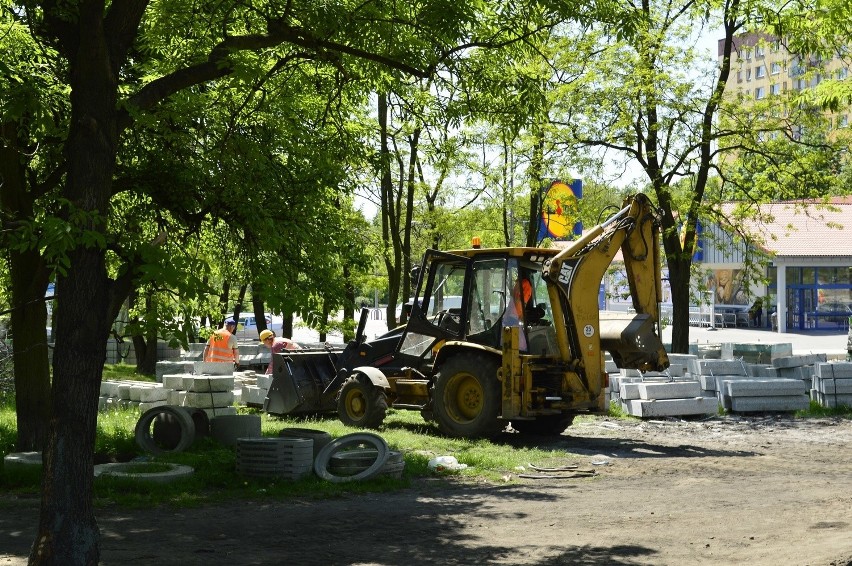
[{"x": 469, "y": 296}]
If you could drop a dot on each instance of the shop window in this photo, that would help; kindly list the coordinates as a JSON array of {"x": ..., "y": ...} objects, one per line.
[{"x": 808, "y": 275}]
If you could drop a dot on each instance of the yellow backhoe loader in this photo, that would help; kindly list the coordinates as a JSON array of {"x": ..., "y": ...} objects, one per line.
[{"x": 497, "y": 336}]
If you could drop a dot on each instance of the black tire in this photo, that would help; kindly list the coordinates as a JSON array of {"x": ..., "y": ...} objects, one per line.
[
  {"x": 361, "y": 404},
  {"x": 550, "y": 425},
  {"x": 466, "y": 401}
]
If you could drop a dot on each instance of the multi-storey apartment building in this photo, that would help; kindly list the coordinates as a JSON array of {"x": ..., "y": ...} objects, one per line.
[{"x": 762, "y": 67}]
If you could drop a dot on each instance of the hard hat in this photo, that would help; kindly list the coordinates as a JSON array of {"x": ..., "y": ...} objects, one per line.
[
  {"x": 266, "y": 334},
  {"x": 229, "y": 321}
]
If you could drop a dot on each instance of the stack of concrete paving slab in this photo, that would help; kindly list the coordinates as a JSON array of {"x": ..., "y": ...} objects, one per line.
[
  {"x": 211, "y": 387},
  {"x": 831, "y": 385},
  {"x": 740, "y": 387},
  {"x": 254, "y": 394},
  {"x": 661, "y": 394},
  {"x": 125, "y": 393},
  {"x": 710, "y": 373},
  {"x": 798, "y": 367},
  {"x": 666, "y": 399},
  {"x": 756, "y": 395}
]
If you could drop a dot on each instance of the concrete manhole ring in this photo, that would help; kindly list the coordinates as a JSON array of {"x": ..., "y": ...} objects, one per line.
[
  {"x": 135, "y": 471},
  {"x": 21, "y": 460},
  {"x": 321, "y": 464}
]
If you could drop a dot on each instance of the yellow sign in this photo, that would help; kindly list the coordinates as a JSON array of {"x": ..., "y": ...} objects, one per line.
[{"x": 559, "y": 210}]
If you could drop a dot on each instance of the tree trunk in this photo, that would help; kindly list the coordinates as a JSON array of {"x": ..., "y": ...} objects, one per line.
[
  {"x": 259, "y": 308},
  {"x": 536, "y": 185},
  {"x": 30, "y": 353},
  {"x": 679, "y": 284},
  {"x": 145, "y": 346},
  {"x": 390, "y": 217},
  {"x": 287, "y": 325},
  {"x": 29, "y": 278},
  {"x": 348, "y": 303},
  {"x": 238, "y": 306},
  {"x": 67, "y": 531}
]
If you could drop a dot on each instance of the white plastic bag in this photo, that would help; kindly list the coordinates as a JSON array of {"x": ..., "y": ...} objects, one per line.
[{"x": 445, "y": 464}]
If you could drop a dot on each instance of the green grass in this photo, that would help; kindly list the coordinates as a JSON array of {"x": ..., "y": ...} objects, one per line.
[
  {"x": 816, "y": 410},
  {"x": 125, "y": 371},
  {"x": 215, "y": 478}
]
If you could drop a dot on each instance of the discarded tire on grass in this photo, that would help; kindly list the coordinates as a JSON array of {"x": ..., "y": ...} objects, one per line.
[
  {"x": 174, "y": 431},
  {"x": 320, "y": 437},
  {"x": 322, "y": 464}
]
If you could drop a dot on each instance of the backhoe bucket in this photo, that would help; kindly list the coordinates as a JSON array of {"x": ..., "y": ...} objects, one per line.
[
  {"x": 301, "y": 383},
  {"x": 633, "y": 341}
]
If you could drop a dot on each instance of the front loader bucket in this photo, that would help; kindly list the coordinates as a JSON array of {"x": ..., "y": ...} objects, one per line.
[
  {"x": 633, "y": 341},
  {"x": 300, "y": 383}
]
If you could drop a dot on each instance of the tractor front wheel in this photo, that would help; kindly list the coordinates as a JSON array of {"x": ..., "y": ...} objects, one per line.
[
  {"x": 466, "y": 399},
  {"x": 361, "y": 404}
]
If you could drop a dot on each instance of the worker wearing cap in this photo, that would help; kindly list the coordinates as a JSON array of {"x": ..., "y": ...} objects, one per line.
[
  {"x": 222, "y": 345},
  {"x": 276, "y": 344}
]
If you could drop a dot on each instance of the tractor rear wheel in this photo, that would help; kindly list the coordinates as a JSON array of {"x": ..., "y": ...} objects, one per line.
[
  {"x": 466, "y": 400},
  {"x": 361, "y": 404}
]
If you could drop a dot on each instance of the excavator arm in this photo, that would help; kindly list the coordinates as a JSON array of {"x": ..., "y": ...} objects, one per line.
[{"x": 574, "y": 276}]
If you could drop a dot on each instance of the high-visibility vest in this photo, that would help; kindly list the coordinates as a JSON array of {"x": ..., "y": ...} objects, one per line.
[
  {"x": 522, "y": 293},
  {"x": 217, "y": 347}
]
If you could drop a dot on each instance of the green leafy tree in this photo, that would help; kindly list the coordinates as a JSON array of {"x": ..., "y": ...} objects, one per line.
[{"x": 119, "y": 63}]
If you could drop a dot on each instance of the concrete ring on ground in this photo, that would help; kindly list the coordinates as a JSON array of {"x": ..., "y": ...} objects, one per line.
[
  {"x": 173, "y": 414},
  {"x": 21, "y": 460},
  {"x": 358, "y": 439},
  {"x": 320, "y": 437},
  {"x": 136, "y": 471},
  {"x": 226, "y": 429}
]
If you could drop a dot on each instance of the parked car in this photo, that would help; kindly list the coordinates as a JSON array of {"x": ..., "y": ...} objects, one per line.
[{"x": 247, "y": 325}]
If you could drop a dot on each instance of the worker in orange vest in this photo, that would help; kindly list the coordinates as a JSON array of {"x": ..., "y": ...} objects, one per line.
[
  {"x": 521, "y": 295},
  {"x": 222, "y": 345}
]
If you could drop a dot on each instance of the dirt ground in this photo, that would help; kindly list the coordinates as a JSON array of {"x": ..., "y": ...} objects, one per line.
[{"x": 724, "y": 490}]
